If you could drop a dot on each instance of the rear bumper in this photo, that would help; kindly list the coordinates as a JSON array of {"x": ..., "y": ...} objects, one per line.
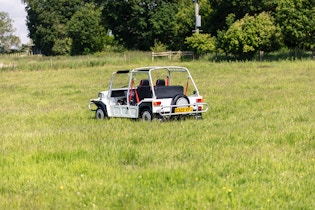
[{"x": 197, "y": 108}]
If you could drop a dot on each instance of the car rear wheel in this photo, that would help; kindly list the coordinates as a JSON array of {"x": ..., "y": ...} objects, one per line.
[
  {"x": 179, "y": 100},
  {"x": 100, "y": 114},
  {"x": 146, "y": 115}
]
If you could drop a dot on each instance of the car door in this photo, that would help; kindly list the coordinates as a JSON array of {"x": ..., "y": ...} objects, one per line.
[{"x": 127, "y": 111}]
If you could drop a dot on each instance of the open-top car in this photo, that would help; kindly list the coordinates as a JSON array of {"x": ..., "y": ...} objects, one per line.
[{"x": 156, "y": 92}]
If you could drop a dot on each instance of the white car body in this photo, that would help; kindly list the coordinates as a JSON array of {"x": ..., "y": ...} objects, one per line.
[{"x": 164, "y": 92}]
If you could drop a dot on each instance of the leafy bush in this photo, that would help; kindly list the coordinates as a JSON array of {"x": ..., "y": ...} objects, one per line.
[
  {"x": 201, "y": 43},
  {"x": 251, "y": 34},
  {"x": 158, "y": 47}
]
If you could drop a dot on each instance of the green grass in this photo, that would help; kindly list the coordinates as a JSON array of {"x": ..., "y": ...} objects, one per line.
[{"x": 254, "y": 149}]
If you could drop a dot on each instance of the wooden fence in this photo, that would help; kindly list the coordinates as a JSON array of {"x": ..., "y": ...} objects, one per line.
[
  {"x": 10, "y": 65},
  {"x": 173, "y": 54},
  {"x": 18, "y": 54}
]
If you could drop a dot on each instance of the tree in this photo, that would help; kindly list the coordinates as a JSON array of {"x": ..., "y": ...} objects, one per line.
[
  {"x": 296, "y": 19},
  {"x": 185, "y": 20},
  {"x": 129, "y": 22},
  {"x": 137, "y": 23},
  {"x": 251, "y": 34},
  {"x": 59, "y": 27},
  {"x": 222, "y": 8},
  {"x": 163, "y": 22},
  {"x": 7, "y": 37},
  {"x": 46, "y": 21},
  {"x": 86, "y": 31}
]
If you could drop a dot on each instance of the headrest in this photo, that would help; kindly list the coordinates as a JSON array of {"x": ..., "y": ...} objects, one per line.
[
  {"x": 160, "y": 82},
  {"x": 144, "y": 82}
]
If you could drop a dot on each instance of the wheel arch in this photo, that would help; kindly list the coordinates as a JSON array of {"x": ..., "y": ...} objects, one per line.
[
  {"x": 145, "y": 105},
  {"x": 100, "y": 105}
]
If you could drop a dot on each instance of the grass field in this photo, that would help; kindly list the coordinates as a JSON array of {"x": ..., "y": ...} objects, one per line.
[{"x": 254, "y": 148}]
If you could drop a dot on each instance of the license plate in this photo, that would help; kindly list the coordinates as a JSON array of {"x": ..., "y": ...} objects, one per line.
[{"x": 183, "y": 109}]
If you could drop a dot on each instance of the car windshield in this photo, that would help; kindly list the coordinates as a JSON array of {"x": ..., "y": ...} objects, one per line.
[{"x": 120, "y": 81}]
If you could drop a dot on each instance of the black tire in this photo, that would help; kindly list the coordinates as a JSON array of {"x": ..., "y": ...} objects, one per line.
[
  {"x": 146, "y": 115},
  {"x": 100, "y": 114},
  {"x": 180, "y": 99}
]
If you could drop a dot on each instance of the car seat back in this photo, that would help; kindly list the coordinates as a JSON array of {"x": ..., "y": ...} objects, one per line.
[
  {"x": 160, "y": 82},
  {"x": 144, "y": 89}
]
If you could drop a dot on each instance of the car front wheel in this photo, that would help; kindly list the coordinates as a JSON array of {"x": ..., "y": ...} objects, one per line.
[
  {"x": 146, "y": 115},
  {"x": 100, "y": 114}
]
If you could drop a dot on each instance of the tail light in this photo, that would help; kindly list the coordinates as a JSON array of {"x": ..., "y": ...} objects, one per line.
[
  {"x": 199, "y": 100},
  {"x": 157, "y": 103}
]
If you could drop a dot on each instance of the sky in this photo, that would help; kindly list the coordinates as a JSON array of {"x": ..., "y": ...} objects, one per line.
[{"x": 17, "y": 14}]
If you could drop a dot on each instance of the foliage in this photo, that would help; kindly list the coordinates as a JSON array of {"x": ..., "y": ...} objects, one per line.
[
  {"x": 229, "y": 20},
  {"x": 251, "y": 34},
  {"x": 206, "y": 11},
  {"x": 254, "y": 148},
  {"x": 112, "y": 45},
  {"x": 56, "y": 28},
  {"x": 163, "y": 22},
  {"x": 62, "y": 46},
  {"x": 296, "y": 19},
  {"x": 136, "y": 24},
  {"x": 46, "y": 21},
  {"x": 128, "y": 21},
  {"x": 86, "y": 31},
  {"x": 223, "y": 8},
  {"x": 184, "y": 22},
  {"x": 7, "y": 37},
  {"x": 158, "y": 47},
  {"x": 201, "y": 43}
]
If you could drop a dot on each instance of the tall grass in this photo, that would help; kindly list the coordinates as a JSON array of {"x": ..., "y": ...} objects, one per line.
[
  {"x": 35, "y": 63},
  {"x": 254, "y": 149}
]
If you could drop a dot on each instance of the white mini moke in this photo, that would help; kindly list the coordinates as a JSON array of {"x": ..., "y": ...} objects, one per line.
[{"x": 156, "y": 92}]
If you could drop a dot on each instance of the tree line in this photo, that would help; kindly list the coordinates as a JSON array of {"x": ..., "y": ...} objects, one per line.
[{"x": 237, "y": 27}]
